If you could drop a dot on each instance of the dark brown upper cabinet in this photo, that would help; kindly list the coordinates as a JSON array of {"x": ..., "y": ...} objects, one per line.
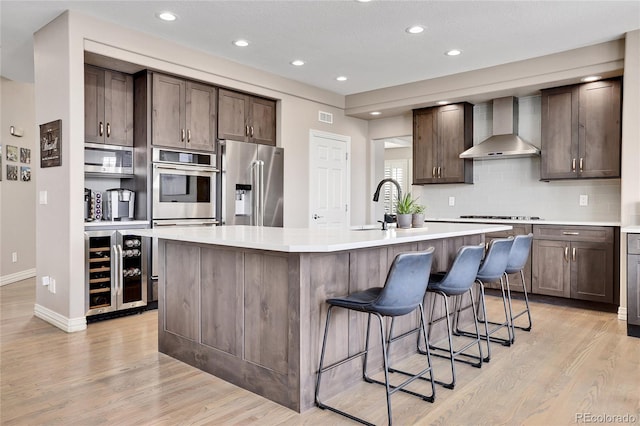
[
  {"x": 581, "y": 131},
  {"x": 184, "y": 113},
  {"x": 246, "y": 118},
  {"x": 108, "y": 106},
  {"x": 440, "y": 135}
]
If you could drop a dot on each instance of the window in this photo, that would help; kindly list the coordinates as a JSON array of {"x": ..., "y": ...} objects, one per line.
[{"x": 398, "y": 170}]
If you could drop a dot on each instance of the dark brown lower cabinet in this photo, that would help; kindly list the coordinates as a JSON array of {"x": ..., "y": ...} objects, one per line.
[
  {"x": 576, "y": 262},
  {"x": 633, "y": 285}
]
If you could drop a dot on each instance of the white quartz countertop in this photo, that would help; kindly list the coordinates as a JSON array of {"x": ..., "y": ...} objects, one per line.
[
  {"x": 314, "y": 240},
  {"x": 115, "y": 224},
  {"x": 532, "y": 222},
  {"x": 632, "y": 229}
]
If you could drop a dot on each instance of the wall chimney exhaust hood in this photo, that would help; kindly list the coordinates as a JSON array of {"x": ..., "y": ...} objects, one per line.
[{"x": 505, "y": 143}]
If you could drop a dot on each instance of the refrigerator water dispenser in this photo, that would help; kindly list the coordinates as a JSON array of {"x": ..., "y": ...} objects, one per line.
[{"x": 243, "y": 200}]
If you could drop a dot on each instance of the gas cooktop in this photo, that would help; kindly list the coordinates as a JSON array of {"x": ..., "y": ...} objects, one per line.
[{"x": 473, "y": 216}]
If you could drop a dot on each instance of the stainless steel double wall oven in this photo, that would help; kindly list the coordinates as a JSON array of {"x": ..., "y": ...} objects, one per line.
[{"x": 183, "y": 191}]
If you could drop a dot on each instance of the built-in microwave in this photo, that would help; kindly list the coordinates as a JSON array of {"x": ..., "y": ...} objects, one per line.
[{"x": 114, "y": 160}]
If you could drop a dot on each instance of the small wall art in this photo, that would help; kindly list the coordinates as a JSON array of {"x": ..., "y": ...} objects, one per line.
[
  {"x": 25, "y": 173},
  {"x": 12, "y": 172},
  {"x": 51, "y": 144},
  {"x": 12, "y": 153},
  {"x": 25, "y": 155}
]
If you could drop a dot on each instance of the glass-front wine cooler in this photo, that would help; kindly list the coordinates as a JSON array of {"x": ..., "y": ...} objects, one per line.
[{"x": 116, "y": 271}]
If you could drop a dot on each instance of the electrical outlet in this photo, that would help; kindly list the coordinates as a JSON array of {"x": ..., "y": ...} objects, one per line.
[
  {"x": 584, "y": 200},
  {"x": 52, "y": 285},
  {"x": 452, "y": 201},
  {"x": 45, "y": 281},
  {"x": 14, "y": 256}
]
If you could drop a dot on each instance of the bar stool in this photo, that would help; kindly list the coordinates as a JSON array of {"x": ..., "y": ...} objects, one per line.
[
  {"x": 457, "y": 281},
  {"x": 518, "y": 257},
  {"x": 492, "y": 269},
  {"x": 402, "y": 294}
]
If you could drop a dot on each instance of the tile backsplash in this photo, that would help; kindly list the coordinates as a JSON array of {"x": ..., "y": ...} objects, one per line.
[{"x": 512, "y": 186}]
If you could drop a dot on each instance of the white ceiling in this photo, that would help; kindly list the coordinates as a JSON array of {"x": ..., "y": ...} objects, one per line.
[{"x": 366, "y": 42}]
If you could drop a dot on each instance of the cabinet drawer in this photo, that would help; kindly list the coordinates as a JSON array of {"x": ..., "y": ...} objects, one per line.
[
  {"x": 633, "y": 243},
  {"x": 574, "y": 233}
]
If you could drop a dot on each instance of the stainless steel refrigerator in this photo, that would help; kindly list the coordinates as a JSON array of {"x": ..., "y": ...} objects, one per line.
[{"x": 252, "y": 184}]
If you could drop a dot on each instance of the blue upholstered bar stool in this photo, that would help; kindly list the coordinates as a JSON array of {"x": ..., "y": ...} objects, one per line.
[
  {"x": 518, "y": 257},
  {"x": 457, "y": 281},
  {"x": 492, "y": 269},
  {"x": 402, "y": 294}
]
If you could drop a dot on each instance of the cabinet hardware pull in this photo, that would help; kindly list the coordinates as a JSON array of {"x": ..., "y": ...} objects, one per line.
[
  {"x": 581, "y": 168},
  {"x": 573, "y": 165},
  {"x": 566, "y": 254},
  {"x": 101, "y": 129},
  {"x": 246, "y": 130},
  {"x": 182, "y": 135},
  {"x": 439, "y": 172},
  {"x": 570, "y": 233},
  {"x": 251, "y": 131},
  {"x": 189, "y": 135},
  {"x": 573, "y": 254},
  {"x": 433, "y": 172},
  {"x": 108, "y": 130}
]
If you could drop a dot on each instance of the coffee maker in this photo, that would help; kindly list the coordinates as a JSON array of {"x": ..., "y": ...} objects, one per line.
[{"x": 119, "y": 204}]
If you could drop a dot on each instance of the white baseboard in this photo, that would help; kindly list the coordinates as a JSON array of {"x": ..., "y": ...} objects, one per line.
[
  {"x": 622, "y": 313},
  {"x": 69, "y": 325},
  {"x": 17, "y": 276}
]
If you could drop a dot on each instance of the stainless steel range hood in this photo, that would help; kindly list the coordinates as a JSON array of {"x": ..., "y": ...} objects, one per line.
[{"x": 505, "y": 142}]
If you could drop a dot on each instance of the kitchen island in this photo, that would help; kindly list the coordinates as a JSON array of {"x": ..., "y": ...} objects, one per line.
[{"x": 247, "y": 304}]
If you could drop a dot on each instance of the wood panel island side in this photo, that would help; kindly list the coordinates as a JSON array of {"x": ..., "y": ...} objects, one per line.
[{"x": 247, "y": 304}]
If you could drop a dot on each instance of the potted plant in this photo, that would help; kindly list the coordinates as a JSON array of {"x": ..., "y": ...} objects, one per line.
[
  {"x": 404, "y": 210},
  {"x": 417, "y": 216}
]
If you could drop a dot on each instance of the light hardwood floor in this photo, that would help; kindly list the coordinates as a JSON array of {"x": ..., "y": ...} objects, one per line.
[{"x": 573, "y": 361}]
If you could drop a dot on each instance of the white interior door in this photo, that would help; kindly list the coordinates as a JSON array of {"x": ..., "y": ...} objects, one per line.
[{"x": 329, "y": 179}]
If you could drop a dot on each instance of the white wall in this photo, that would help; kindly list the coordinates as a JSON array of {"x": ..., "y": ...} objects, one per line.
[
  {"x": 17, "y": 198},
  {"x": 61, "y": 46}
]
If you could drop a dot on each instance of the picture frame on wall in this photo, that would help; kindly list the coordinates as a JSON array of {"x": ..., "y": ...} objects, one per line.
[
  {"x": 25, "y": 155},
  {"x": 25, "y": 173},
  {"x": 51, "y": 144},
  {"x": 12, "y": 153},
  {"x": 12, "y": 172}
]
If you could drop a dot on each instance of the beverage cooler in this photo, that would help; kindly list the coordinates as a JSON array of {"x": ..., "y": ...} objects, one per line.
[{"x": 116, "y": 271}]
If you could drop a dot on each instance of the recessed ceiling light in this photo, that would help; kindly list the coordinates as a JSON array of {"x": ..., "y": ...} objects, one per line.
[
  {"x": 297, "y": 62},
  {"x": 363, "y": 1},
  {"x": 453, "y": 52},
  {"x": 591, "y": 78},
  {"x": 167, "y": 16},
  {"x": 241, "y": 43},
  {"x": 341, "y": 78},
  {"x": 416, "y": 29},
  {"x": 443, "y": 102},
  {"x": 375, "y": 113}
]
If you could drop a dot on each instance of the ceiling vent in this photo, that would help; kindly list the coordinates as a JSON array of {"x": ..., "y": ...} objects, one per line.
[{"x": 325, "y": 117}]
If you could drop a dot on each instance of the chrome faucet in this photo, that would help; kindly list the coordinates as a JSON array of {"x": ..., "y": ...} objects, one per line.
[{"x": 388, "y": 218}]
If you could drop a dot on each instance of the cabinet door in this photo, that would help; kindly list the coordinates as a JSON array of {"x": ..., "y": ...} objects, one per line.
[
  {"x": 200, "y": 116},
  {"x": 592, "y": 271},
  {"x": 599, "y": 140},
  {"x": 168, "y": 120},
  {"x": 232, "y": 115},
  {"x": 633, "y": 289},
  {"x": 559, "y": 145},
  {"x": 262, "y": 122},
  {"x": 451, "y": 142},
  {"x": 118, "y": 108},
  {"x": 424, "y": 146},
  {"x": 93, "y": 105},
  {"x": 551, "y": 268}
]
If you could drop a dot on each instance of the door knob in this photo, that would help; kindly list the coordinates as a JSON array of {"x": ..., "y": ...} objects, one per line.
[{"x": 315, "y": 216}]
